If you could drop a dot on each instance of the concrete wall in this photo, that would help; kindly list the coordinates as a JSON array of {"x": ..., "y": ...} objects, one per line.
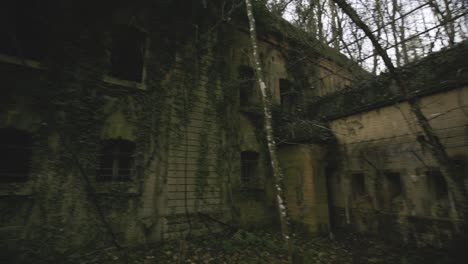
[
  {"x": 305, "y": 186},
  {"x": 332, "y": 78},
  {"x": 69, "y": 103},
  {"x": 384, "y": 140},
  {"x": 183, "y": 117}
]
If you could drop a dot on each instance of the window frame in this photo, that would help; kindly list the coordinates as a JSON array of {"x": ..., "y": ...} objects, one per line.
[
  {"x": 25, "y": 59},
  {"x": 286, "y": 98},
  {"x": 114, "y": 80},
  {"x": 401, "y": 185},
  {"x": 26, "y": 151},
  {"x": 115, "y": 145},
  {"x": 433, "y": 175},
  {"x": 246, "y": 77},
  {"x": 364, "y": 192},
  {"x": 252, "y": 166}
]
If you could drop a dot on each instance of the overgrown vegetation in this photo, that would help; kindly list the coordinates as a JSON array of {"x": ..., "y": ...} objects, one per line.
[{"x": 242, "y": 247}]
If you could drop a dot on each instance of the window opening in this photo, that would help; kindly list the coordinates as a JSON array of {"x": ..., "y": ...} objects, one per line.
[
  {"x": 246, "y": 88},
  {"x": 24, "y": 32},
  {"x": 286, "y": 94},
  {"x": 249, "y": 166},
  {"x": 436, "y": 184},
  {"x": 128, "y": 49},
  {"x": 394, "y": 187},
  {"x": 116, "y": 161},
  {"x": 460, "y": 165},
  {"x": 15, "y": 157},
  {"x": 358, "y": 184}
]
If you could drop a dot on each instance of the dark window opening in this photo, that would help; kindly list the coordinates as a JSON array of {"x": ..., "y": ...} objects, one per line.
[
  {"x": 358, "y": 184},
  {"x": 128, "y": 49},
  {"x": 246, "y": 87},
  {"x": 23, "y": 29},
  {"x": 436, "y": 184},
  {"x": 459, "y": 164},
  {"x": 249, "y": 166},
  {"x": 15, "y": 155},
  {"x": 394, "y": 187},
  {"x": 286, "y": 95},
  {"x": 116, "y": 161}
]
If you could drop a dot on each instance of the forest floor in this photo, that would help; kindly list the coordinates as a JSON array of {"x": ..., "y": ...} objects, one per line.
[{"x": 248, "y": 248}]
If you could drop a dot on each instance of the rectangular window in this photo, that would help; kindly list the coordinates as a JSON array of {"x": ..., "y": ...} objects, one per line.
[
  {"x": 116, "y": 161},
  {"x": 393, "y": 184},
  {"x": 127, "y": 54},
  {"x": 246, "y": 85},
  {"x": 286, "y": 95},
  {"x": 23, "y": 30},
  {"x": 437, "y": 186},
  {"x": 249, "y": 165},
  {"x": 358, "y": 184},
  {"x": 15, "y": 155},
  {"x": 392, "y": 188}
]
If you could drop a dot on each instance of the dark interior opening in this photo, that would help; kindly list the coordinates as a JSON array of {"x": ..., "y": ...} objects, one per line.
[
  {"x": 116, "y": 160},
  {"x": 249, "y": 167},
  {"x": 394, "y": 187},
  {"x": 286, "y": 95},
  {"x": 128, "y": 48},
  {"x": 15, "y": 155},
  {"x": 459, "y": 164},
  {"x": 23, "y": 29},
  {"x": 437, "y": 184},
  {"x": 358, "y": 184},
  {"x": 246, "y": 86}
]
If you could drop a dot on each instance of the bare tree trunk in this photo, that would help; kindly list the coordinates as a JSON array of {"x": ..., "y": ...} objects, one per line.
[
  {"x": 402, "y": 31},
  {"x": 444, "y": 18},
  {"x": 319, "y": 19},
  {"x": 395, "y": 32},
  {"x": 334, "y": 25},
  {"x": 378, "y": 19},
  {"x": 454, "y": 181},
  {"x": 312, "y": 20},
  {"x": 277, "y": 173}
]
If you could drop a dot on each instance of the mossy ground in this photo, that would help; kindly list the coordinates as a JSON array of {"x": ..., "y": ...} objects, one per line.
[{"x": 262, "y": 247}]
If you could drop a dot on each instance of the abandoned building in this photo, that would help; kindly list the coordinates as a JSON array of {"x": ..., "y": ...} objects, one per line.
[{"x": 146, "y": 121}]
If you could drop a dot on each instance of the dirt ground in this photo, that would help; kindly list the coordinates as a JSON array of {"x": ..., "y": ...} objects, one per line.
[{"x": 262, "y": 247}]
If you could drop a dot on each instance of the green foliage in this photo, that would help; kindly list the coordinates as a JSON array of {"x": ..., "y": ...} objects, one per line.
[
  {"x": 296, "y": 129},
  {"x": 422, "y": 77}
]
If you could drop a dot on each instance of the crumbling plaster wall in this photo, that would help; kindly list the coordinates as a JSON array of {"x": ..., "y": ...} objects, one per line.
[
  {"x": 184, "y": 118},
  {"x": 254, "y": 204},
  {"x": 384, "y": 140},
  {"x": 69, "y": 114},
  {"x": 332, "y": 78},
  {"x": 310, "y": 74},
  {"x": 303, "y": 167}
]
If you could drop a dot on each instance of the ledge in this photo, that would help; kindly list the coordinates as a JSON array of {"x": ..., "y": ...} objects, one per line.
[
  {"x": 109, "y": 188},
  {"x": 124, "y": 83},
  {"x": 21, "y": 62},
  {"x": 34, "y": 64},
  {"x": 16, "y": 189}
]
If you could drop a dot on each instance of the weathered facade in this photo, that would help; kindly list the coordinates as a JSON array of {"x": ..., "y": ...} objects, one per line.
[
  {"x": 383, "y": 178},
  {"x": 143, "y": 124}
]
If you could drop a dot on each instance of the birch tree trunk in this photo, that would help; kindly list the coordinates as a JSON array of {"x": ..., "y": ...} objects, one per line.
[
  {"x": 277, "y": 173},
  {"x": 454, "y": 180},
  {"x": 378, "y": 19}
]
